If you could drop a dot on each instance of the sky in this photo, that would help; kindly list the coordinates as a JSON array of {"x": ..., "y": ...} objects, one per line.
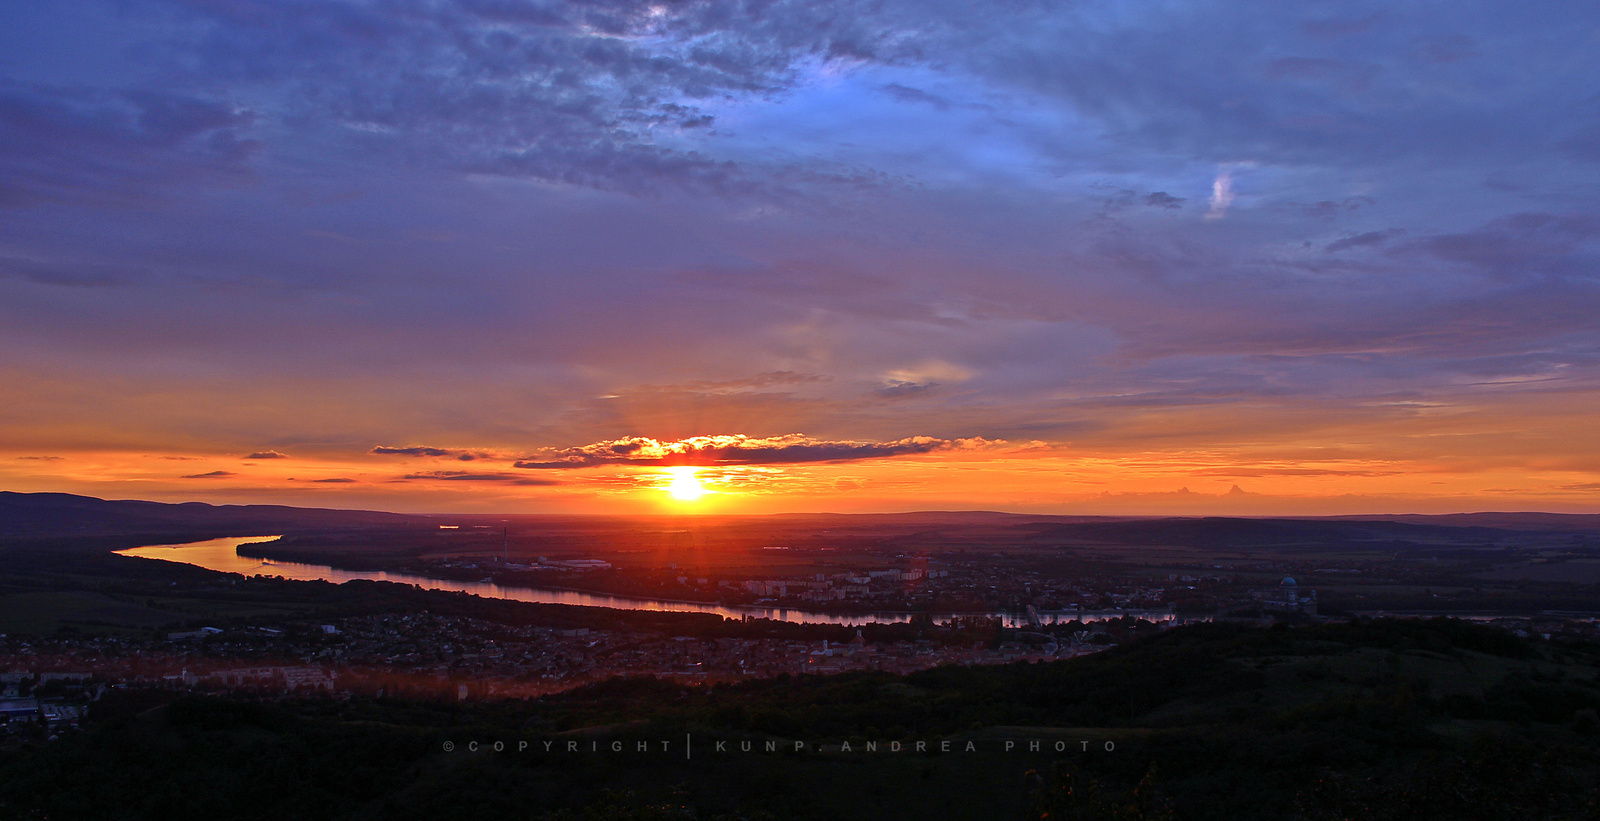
[{"x": 1069, "y": 257}]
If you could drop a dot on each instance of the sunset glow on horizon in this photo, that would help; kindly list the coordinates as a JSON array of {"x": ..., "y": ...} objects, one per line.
[{"x": 1112, "y": 260}]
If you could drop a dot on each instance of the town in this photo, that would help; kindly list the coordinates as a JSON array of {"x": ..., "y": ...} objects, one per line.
[{"x": 51, "y": 682}]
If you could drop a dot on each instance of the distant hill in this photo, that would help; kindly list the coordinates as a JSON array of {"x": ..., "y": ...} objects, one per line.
[
  {"x": 1527, "y": 520},
  {"x": 940, "y": 517},
  {"x": 1230, "y": 532},
  {"x": 64, "y": 514},
  {"x": 35, "y": 515}
]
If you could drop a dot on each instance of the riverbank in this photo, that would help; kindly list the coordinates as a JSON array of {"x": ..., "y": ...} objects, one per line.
[{"x": 223, "y": 555}]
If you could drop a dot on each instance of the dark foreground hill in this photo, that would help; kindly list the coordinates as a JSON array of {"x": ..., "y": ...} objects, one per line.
[
  {"x": 1369, "y": 720},
  {"x": 64, "y": 514}
]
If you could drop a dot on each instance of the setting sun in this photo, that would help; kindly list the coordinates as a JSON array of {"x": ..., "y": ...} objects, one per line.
[{"x": 685, "y": 485}]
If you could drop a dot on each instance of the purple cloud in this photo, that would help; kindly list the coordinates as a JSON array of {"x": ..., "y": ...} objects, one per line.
[{"x": 1362, "y": 240}]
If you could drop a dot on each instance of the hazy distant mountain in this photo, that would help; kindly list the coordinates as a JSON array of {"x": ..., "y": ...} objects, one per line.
[{"x": 64, "y": 514}]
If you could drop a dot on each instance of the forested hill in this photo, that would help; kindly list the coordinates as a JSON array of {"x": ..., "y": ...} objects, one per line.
[{"x": 64, "y": 514}]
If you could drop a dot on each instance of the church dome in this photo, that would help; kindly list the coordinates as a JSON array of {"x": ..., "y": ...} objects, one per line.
[{"x": 1288, "y": 581}]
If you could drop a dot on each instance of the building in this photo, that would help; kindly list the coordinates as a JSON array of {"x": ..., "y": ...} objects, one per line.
[
  {"x": 1287, "y": 597},
  {"x": 19, "y": 708}
]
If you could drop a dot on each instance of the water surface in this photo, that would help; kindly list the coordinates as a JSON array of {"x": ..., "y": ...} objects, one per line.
[{"x": 222, "y": 555}]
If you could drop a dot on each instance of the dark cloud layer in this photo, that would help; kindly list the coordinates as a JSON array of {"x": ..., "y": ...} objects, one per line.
[
  {"x": 65, "y": 143},
  {"x": 734, "y": 450},
  {"x": 589, "y": 94},
  {"x": 464, "y": 476},
  {"x": 414, "y": 450}
]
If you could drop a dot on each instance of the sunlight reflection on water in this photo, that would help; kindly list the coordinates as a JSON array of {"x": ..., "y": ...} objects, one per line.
[{"x": 222, "y": 555}]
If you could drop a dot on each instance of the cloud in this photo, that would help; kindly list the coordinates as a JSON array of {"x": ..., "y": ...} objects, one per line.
[
  {"x": 1250, "y": 472},
  {"x": 1221, "y": 194},
  {"x": 420, "y": 450},
  {"x": 916, "y": 95},
  {"x": 901, "y": 389},
  {"x": 465, "y": 476},
  {"x": 118, "y": 147},
  {"x": 215, "y": 474},
  {"x": 1522, "y": 245},
  {"x": 737, "y": 450},
  {"x": 266, "y": 454},
  {"x": 1124, "y": 198},
  {"x": 66, "y": 274},
  {"x": 597, "y": 95},
  {"x": 1362, "y": 240},
  {"x": 414, "y": 450},
  {"x": 618, "y": 94},
  {"x": 334, "y": 481},
  {"x": 43, "y": 458}
]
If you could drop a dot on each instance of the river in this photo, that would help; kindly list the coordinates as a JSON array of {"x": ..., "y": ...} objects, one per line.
[{"x": 222, "y": 555}]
